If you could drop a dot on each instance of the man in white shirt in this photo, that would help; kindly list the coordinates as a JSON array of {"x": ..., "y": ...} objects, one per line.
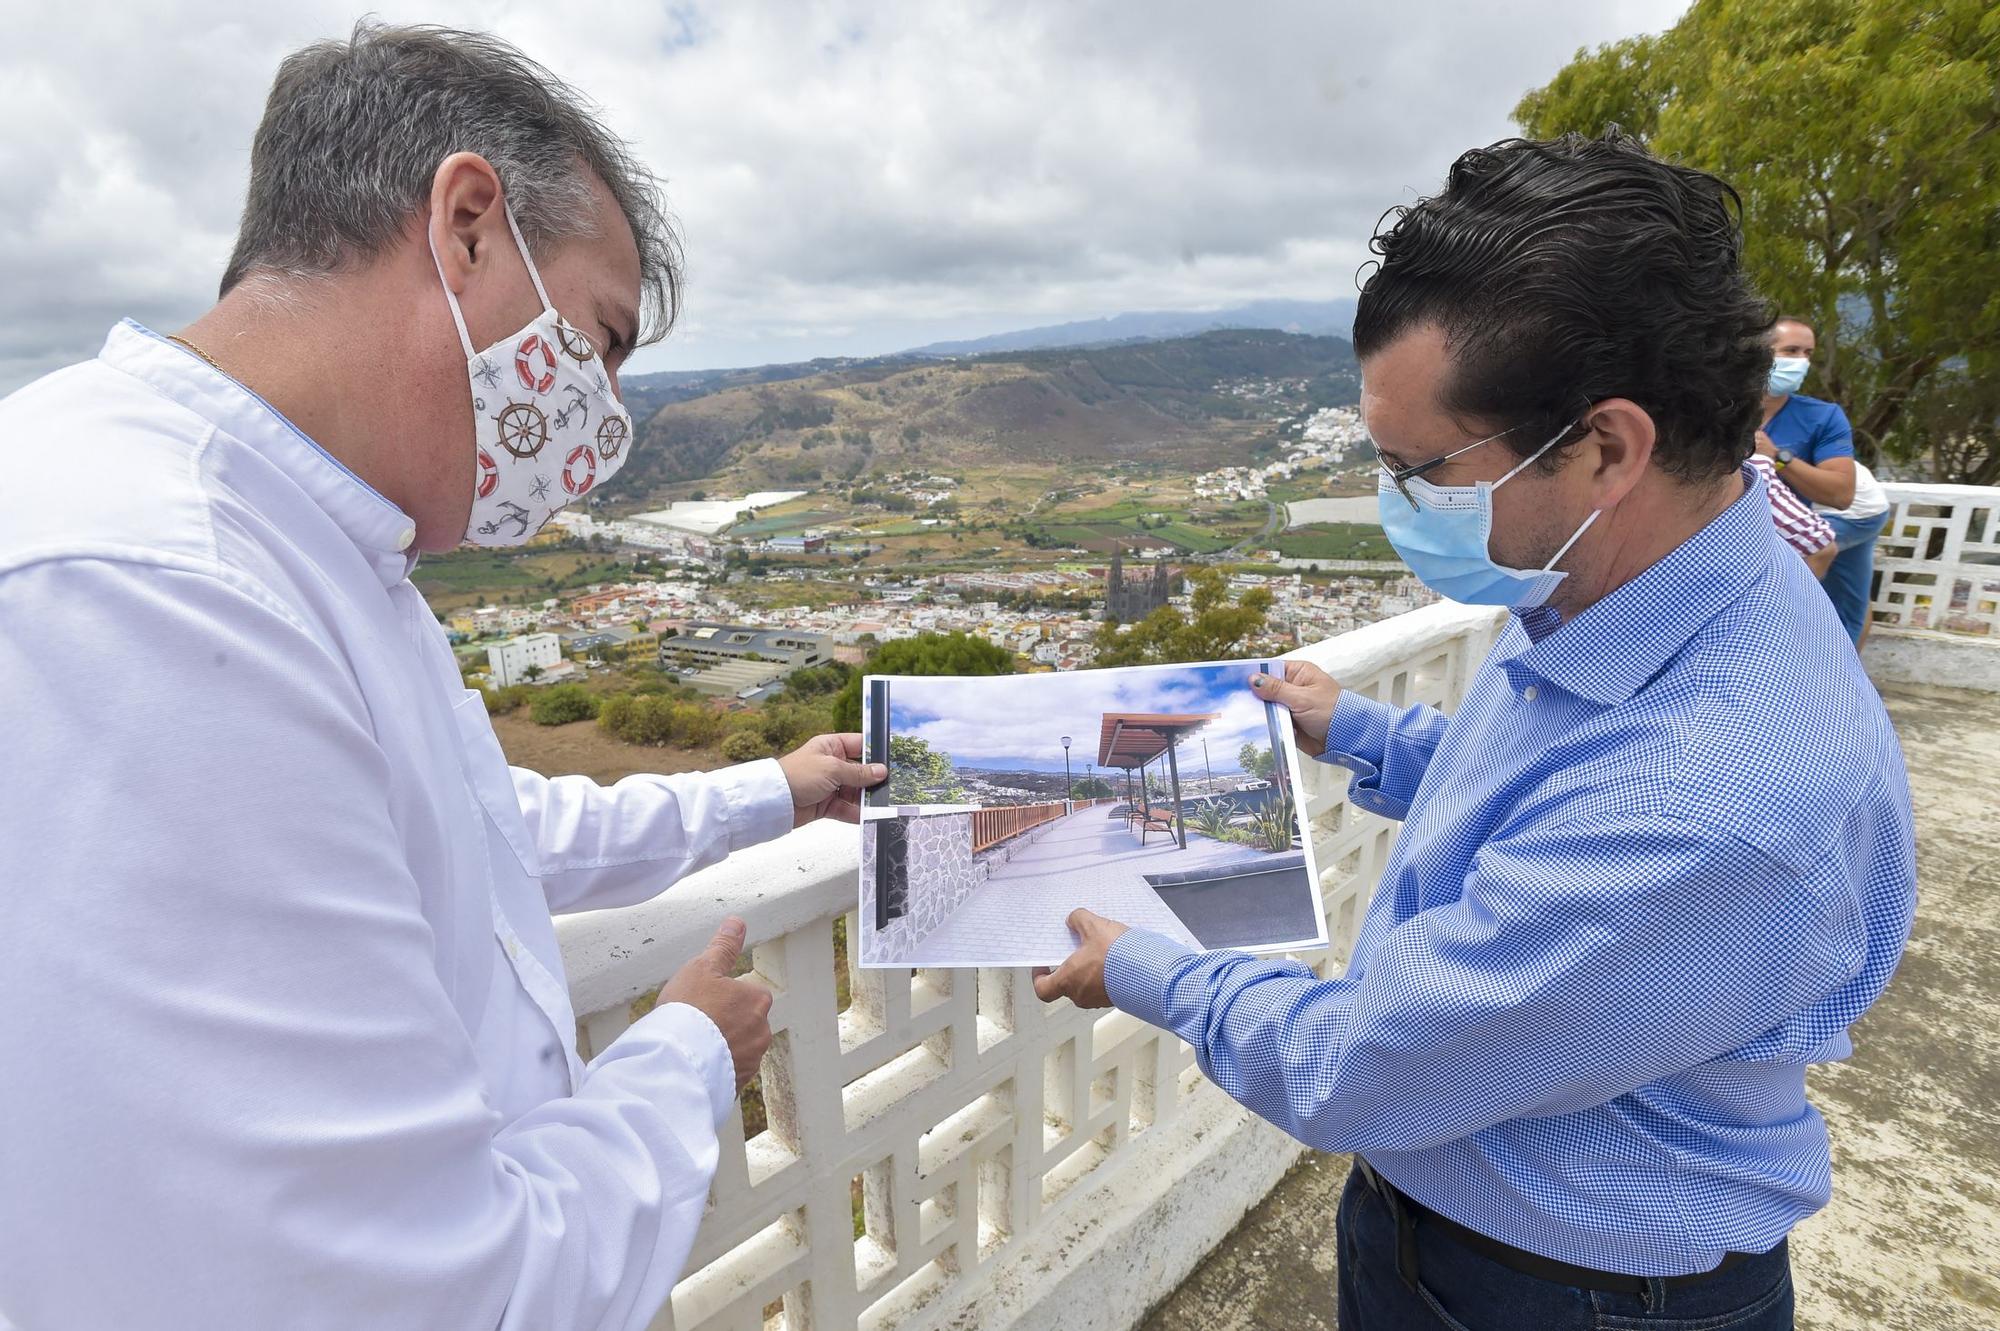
[
  {"x": 1850, "y": 579},
  {"x": 283, "y": 1024}
]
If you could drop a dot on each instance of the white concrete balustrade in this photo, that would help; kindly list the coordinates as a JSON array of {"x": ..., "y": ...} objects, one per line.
[
  {"x": 1024, "y": 1166},
  {"x": 1937, "y": 595},
  {"x": 1003, "y": 1146}
]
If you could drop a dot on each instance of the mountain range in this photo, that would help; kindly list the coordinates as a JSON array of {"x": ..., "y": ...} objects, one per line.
[
  {"x": 1320, "y": 318},
  {"x": 1202, "y": 401},
  {"x": 647, "y": 393}
]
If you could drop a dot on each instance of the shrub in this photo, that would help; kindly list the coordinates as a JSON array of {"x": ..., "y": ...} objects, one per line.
[
  {"x": 650, "y": 720},
  {"x": 696, "y": 724},
  {"x": 1212, "y": 822},
  {"x": 745, "y": 745},
  {"x": 616, "y": 713},
  {"x": 563, "y": 704},
  {"x": 657, "y": 718},
  {"x": 511, "y": 698}
]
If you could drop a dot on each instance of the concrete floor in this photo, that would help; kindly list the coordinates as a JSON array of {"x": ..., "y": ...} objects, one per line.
[
  {"x": 1083, "y": 859},
  {"x": 1911, "y": 1241}
]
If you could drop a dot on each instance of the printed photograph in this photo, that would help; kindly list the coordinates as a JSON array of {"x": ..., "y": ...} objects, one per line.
[{"x": 1163, "y": 797}]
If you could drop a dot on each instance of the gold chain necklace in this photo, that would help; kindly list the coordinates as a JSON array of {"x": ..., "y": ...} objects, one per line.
[{"x": 177, "y": 338}]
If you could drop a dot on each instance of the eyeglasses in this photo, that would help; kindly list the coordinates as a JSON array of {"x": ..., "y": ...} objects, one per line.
[{"x": 1401, "y": 476}]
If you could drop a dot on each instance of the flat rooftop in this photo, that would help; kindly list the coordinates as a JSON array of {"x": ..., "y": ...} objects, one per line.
[{"x": 1911, "y": 1241}]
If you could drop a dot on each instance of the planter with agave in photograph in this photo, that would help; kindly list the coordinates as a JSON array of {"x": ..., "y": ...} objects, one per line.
[{"x": 1163, "y": 797}]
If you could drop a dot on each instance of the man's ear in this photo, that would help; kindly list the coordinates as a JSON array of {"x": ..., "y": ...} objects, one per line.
[
  {"x": 1622, "y": 435},
  {"x": 467, "y": 217}
]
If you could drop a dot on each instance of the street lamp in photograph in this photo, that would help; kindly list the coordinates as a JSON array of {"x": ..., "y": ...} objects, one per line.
[{"x": 1069, "y": 790}]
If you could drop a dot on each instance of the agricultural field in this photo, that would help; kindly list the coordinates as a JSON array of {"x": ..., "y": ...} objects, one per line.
[
  {"x": 1146, "y": 518},
  {"x": 470, "y": 576},
  {"x": 1310, "y": 486},
  {"x": 1334, "y": 540},
  {"x": 774, "y": 522}
]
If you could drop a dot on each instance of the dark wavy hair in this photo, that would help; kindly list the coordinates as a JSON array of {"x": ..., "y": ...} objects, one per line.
[{"x": 1566, "y": 271}]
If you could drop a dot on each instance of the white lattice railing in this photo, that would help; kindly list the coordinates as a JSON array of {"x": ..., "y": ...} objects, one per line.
[
  {"x": 999, "y": 1144},
  {"x": 1939, "y": 560}
]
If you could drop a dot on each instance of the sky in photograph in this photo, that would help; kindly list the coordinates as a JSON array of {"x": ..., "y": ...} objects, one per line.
[
  {"x": 850, "y": 177},
  {"x": 1016, "y": 722}
]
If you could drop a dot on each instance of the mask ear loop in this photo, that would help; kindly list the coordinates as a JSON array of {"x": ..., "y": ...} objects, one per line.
[
  {"x": 1556, "y": 558},
  {"x": 464, "y": 338},
  {"x": 548, "y": 306},
  {"x": 1518, "y": 467}
]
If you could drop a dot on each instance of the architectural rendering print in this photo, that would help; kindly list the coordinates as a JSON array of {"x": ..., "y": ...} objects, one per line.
[{"x": 1163, "y": 797}]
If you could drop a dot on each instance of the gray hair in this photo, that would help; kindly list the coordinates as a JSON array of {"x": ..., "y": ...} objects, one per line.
[{"x": 354, "y": 130}]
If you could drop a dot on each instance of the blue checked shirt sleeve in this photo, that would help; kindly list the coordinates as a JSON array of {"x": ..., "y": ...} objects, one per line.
[
  {"x": 1387, "y": 750},
  {"x": 1580, "y": 964}
]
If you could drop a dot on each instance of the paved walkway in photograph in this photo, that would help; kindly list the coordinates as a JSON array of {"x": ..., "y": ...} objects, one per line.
[{"x": 1082, "y": 859}]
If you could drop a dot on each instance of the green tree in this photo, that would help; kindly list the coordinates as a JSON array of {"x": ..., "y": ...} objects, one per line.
[
  {"x": 1862, "y": 136},
  {"x": 816, "y": 681},
  {"x": 1217, "y": 629},
  {"x": 1092, "y": 788},
  {"x": 919, "y": 774},
  {"x": 1257, "y": 761},
  {"x": 924, "y": 654}
]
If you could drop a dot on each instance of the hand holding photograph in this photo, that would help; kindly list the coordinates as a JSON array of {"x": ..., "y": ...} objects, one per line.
[{"x": 1162, "y": 797}]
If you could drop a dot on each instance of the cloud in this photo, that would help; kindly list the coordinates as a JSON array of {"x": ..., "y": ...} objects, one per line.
[
  {"x": 1018, "y": 721},
  {"x": 851, "y": 177}
]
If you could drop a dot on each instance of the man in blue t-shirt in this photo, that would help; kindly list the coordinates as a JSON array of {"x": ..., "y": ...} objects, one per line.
[
  {"x": 1812, "y": 446},
  {"x": 1809, "y": 440}
]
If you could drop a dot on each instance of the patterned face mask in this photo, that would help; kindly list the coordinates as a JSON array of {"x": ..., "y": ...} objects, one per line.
[{"x": 547, "y": 428}]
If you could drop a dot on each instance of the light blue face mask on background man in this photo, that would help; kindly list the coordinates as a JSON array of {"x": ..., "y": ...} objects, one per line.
[
  {"x": 1788, "y": 375},
  {"x": 1444, "y": 539}
]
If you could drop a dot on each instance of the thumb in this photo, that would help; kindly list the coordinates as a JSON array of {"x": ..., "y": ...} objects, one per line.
[
  {"x": 860, "y": 775},
  {"x": 727, "y": 945},
  {"x": 1083, "y": 922},
  {"x": 1272, "y": 689}
]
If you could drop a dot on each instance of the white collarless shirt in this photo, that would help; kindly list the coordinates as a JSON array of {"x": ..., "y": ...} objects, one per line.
[{"x": 284, "y": 1035}]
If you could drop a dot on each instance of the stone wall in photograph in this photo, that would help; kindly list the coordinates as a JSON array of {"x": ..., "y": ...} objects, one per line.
[{"x": 943, "y": 874}]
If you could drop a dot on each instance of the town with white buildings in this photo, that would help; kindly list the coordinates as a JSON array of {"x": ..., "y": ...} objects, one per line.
[
  {"x": 649, "y": 608},
  {"x": 1324, "y": 439}
]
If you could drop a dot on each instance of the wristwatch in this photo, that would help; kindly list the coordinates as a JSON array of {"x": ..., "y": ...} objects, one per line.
[{"x": 1785, "y": 455}]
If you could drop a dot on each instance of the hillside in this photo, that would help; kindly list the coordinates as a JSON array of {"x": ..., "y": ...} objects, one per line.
[{"x": 1208, "y": 400}]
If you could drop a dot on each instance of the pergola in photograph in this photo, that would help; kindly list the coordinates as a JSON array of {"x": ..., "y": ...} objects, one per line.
[{"x": 1130, "y": 740}]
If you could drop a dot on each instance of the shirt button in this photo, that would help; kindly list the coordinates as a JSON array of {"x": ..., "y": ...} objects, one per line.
[
  {"x": 405, "y": 538},
  {"x": 1528, "y": 694}
]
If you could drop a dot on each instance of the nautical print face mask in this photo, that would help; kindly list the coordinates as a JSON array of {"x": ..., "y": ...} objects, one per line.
[{"x": 547, "y": 428}]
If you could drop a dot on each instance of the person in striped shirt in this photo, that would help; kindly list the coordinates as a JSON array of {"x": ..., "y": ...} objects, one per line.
[{"x": 1799, "y": 526}]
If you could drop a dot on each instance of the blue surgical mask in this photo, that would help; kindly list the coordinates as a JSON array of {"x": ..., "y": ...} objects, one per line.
[
  {"x": 1788, "y": 375},
  {"x": 1444, "y": 540}
]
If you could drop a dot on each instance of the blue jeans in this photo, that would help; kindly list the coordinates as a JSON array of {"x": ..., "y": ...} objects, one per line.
[
  {"x": 1850, "y": 580},
  {"x": 1460, "y": 1290}
]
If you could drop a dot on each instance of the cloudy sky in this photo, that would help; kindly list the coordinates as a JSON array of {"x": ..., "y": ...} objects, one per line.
[
  {"x": 851, "y": 178},
  {"x": 1016, "y": 722}
]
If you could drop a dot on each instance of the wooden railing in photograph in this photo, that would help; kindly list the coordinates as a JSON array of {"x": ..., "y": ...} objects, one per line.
[{"x": 992, "y": 826}]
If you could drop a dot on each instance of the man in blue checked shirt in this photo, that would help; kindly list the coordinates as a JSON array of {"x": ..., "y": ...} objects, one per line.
[{"x": 1658, "y": 860}]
